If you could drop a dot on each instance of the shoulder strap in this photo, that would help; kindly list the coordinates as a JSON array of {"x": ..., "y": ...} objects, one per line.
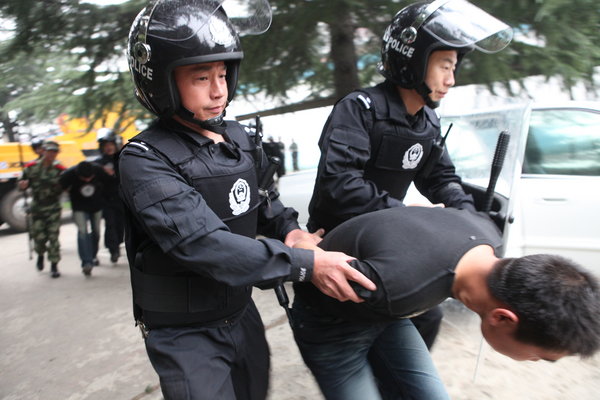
[
  {"x": 432, "y": 116},
  {"x": 375, "y": 98},
  {"x": 241, "y": 134},
  {"x": 171, "y": 145},
  {"x": 246, "y": 139}
]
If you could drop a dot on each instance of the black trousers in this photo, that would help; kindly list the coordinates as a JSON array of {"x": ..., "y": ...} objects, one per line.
[
  {"x": 114, "y": 221},
  {"x": 229, "y": 361}
]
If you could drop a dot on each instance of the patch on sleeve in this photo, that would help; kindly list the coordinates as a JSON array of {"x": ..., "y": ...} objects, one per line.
[
  {"x": 365, "y": 100},
  {"x": 140, "y": 145}
]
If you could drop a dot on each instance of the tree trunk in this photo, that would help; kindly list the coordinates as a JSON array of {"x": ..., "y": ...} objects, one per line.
[
  {"x": 343, "y": 52},
  {"x": 8, "y": 126}
]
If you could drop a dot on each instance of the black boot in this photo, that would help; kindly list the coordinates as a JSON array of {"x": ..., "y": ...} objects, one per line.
[
  {"x": 54, "y": 270},
  {"x": 40, "y": 262},
  {"x": 114, "y": 256}
]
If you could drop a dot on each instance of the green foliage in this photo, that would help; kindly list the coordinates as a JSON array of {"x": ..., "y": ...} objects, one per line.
[
  {"x": 296, "y": 49},
  {"x": 68, "y": 56},
  {"x": 65, "y": 57},
  {"x": 552, "y": 38}
]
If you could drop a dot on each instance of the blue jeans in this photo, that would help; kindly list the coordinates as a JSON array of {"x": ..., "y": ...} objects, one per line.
[
  {"x": 365, "y": 361},
  {"x": 88, "y": 235}
]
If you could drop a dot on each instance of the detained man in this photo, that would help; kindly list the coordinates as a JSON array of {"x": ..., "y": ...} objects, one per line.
[{"x": 537, "y": 307}]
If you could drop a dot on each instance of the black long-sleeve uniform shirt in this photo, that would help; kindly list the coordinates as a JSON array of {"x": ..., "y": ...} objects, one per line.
[
  {"x": 174, "y": 215},
  {"x": 371, "y": 151}
]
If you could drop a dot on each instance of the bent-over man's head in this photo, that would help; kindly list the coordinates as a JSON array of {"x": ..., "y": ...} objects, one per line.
[{"x": 552, "y": 309}]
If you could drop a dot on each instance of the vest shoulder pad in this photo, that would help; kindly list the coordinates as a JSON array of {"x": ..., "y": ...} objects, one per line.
[
  {"x": 167, "y": 143},
  {"x": 242, "y": 135},
  {"x": 363, "y": 99},
  {"x": 373, "y": 99},
  {"x": 432, "y": 116}
]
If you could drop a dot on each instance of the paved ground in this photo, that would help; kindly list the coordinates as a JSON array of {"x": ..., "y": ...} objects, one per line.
[{"x": 72, "y": 338}]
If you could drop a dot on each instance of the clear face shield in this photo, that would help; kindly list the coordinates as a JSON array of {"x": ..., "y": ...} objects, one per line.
[
  {"x": 177, "y": 21},
  {"x": 459, "y": 23},
  {"x": 249, "y": 17}
]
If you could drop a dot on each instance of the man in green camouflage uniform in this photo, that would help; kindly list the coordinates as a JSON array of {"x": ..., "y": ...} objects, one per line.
[{"x": 41, "y": 176}]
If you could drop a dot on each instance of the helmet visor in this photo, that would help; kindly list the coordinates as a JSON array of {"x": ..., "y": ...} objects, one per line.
[
  {"x": 459, "y": 23},
  {"x": 249, "y": 17}
]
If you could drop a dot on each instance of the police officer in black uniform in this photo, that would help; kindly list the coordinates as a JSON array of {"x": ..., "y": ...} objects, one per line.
[
  {"x": 109, "y": 144},
  {"x": 378, "y": 140},
  {"x": 190, "y": 184}
]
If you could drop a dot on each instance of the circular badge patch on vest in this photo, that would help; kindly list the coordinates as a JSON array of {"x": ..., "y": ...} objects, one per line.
[
  {"x": 239, "y": 197},
  {"x": 412, "y": 156},
  {"x": 87, "y": 190}
]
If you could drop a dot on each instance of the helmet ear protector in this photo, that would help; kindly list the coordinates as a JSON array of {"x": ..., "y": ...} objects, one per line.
[
  {"x": 142, "y": 52},
  {"x": 409, "y": 34}
]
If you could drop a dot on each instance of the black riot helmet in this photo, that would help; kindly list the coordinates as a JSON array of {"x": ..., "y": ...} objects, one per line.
[
  {"x": 422, "y": 28},
  {"x": 171, "y": 33},
  {"x": 36, "y": 144},
  {"x": 107, "y": 135}
]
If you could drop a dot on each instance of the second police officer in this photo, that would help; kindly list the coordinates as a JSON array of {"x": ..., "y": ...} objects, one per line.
[
  {"x": 190, "y": 184},
  {"x": 109, "y": 144},
  {"x": 376, "y": 142}
]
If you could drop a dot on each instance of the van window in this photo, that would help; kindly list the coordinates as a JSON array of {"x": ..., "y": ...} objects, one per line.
[{"x": 563, "y": 142}]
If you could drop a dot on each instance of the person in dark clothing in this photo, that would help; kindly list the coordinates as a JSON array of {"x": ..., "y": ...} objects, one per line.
[
  {"x": 294, "y": 151},
  {"x": 86, "y": 183},
  {"x": 190, "y": 184},
  {"x": 37, "y": 145},
  {"x": 537, "y": 307},
  {"x": 113, "y": 212},
  {"x": 281, "y": 171},
  {"x": 379, "y": 140}
]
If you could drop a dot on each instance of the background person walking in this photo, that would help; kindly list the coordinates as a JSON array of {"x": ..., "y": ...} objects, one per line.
[
  {"x": 86, "y": 182},
  {"x": 42, "y": 177},
  {"x": 113, "y": 212}
]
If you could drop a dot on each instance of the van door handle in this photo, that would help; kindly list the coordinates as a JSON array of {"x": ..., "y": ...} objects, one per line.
[{"x": 554, "y": 199}]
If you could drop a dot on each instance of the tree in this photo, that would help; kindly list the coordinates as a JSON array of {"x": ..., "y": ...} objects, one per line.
[
  {"x": 68, "y": 57},
  {"x": 319, "y": 43},
  {"x": 329, "y": 47},
  {"x": 552, "y": 38}
]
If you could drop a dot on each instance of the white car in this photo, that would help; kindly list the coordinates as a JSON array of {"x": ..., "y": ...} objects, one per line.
[
  {"x": 557, "y": 204},
  {"x": 548, "y": 192}
]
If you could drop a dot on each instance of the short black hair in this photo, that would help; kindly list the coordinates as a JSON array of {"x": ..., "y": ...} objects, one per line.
[
  {"x": 556, "y": 300},
  {"x": 85, "y": 169}
]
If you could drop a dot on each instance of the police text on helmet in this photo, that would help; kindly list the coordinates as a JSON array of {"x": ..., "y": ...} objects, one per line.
[
  {"x": 141, "y": 68},
  {"x": 397, "y": 45}
]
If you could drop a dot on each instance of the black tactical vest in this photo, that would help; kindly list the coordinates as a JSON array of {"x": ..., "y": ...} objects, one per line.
[
  {"x": 166, "y": 294},
  {"x": 398, "y": 152}
]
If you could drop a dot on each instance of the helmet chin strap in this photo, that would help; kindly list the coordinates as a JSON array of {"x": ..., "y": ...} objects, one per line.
[
  {"x": 215, "y": 124},
  {"x": 424, "y": 91}
]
